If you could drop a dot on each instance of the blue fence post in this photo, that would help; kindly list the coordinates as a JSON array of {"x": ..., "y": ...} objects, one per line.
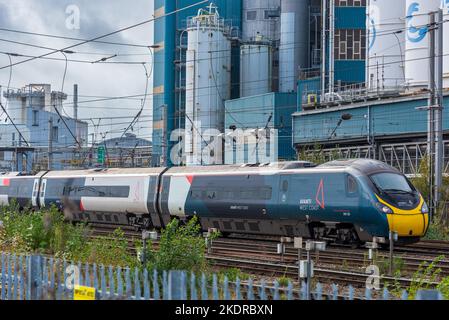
[
  {"x": 146, "y": 285},
  {"x": 319, "y": 291},
  {"x": 80, "y": 273},
  {"x": 87, "y": 275},
  {"x": 204, "y": 293},
  {"x": 21, "y": 276},
  {"x": 9, "y": 281},
  {"x": 368, "y": 294},
  {"x": 238, "y": 292},
  {"x": 404, "y": 295},
  {"x": 52, "y": 275},
  {"x": 3, "y": 276},
  {"x": 215, "y": 295},
  {"x": 226, "y": 293},
  {"x": 334, "y": 292},
  {"x": 174, "y": 286},
  {"x": 119, "y": 283},
  {"x": 165, "y": 285},
  {"x": 193, "y": 293},
  {"x": 33, "y": 277},
  {"x": 386, "y": 294},
  {"x": 290, "y": 291},
  {"x": 303, "y": 291},
  {"x": 156, "y": 291},
  {"x": 63, "y": 280},
  {"x": 276, "y": 290},
  {"x": 183, "y": 285},
  {"x": 16, "y": 278},
  {"x": 95, "y": 276},
  {"x": 128, "y": 283},
  {"x": 60, "y": 279},
  {"x": 111, "y": 283},
  {"x": 351, "y": 293},
  {"x": 103, "y": 283},
  {"x": 250, "y": 293},
  {"x": 137, "y": 293},
  {"x": 262, "y": 294},
  {"x": 45, "y": 277}
]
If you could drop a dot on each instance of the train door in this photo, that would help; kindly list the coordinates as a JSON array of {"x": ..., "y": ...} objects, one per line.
[
  {"x": 42, "y": 193},
  {"x": 35, "y": 193},
  {"x": 284, "y": 186}
]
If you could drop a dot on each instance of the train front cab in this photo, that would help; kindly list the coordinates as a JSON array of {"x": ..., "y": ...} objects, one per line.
[
  {"x": 406, "y": 211},
  {"x": 410, "y": 225}
]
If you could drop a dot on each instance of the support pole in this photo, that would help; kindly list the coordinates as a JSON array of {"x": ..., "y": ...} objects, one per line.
[
  {"x": 309, "y": 275},
  {"x": 50, "y": 144},
  {"x": 431, "y": 115},
  {"x": 331, "y": 49},
  {"x": 439, "y": 145},
  {"x": 323, "y": 49}
]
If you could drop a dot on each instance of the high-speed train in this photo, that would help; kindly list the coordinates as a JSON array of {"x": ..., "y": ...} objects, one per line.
[{"x": 347, "y": 201}]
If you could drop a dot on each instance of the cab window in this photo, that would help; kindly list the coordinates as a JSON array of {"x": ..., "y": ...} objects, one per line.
[{"x": 351, "y": 186}]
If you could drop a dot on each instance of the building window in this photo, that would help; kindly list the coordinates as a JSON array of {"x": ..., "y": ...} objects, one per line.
[
  {"x": 251, "y": 15},
  {"x": 35, "y": 118},
  {"x": 350, "y": 3},
  {"x": 271, "y": 14},
  {"x": 55, "y": 134},
  {"x": 350, "y": 44}
]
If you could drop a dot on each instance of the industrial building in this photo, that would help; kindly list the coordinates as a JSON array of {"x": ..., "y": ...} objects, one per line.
[
  {"x": 35, "y": 127},
  {"x": 128, "y": 151},
  {"x": 351, "y": 75}
]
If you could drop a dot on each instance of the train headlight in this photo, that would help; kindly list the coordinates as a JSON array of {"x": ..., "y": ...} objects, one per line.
[
  {"x": 383, "y": 208},
  {"x": 424, "y": 208}
]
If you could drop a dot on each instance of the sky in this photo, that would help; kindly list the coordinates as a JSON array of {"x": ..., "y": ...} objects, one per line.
[{"x": 96, "y": 17}]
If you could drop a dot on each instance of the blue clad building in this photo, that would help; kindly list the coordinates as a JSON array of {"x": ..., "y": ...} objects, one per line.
[{"x": 169, "y": 69}]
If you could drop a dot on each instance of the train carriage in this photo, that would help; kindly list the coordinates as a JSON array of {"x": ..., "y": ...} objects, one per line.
[{"x": 348, "y": 201}]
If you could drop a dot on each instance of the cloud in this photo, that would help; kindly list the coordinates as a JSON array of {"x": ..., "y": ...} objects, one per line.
[{"x": 94, "y": 80}]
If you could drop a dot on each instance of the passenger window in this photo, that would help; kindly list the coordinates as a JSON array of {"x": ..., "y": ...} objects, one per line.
[
  {"x": 351, "y": 186},
  {"x": 284, "y": 186}
]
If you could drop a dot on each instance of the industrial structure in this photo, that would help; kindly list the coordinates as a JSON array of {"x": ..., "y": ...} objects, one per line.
[
  {"x": 35, "y": 134},
  {"x": 128, "y": 151},
  {"x": 359, "y": 78}
]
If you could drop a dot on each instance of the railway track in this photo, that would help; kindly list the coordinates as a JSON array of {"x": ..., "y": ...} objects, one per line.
[{"x": 338, "y": 264}]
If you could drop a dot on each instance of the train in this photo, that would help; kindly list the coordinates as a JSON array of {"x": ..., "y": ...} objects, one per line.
[{"x": 342, "y": 201}]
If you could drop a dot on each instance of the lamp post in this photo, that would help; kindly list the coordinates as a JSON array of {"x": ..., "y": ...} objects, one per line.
[{"x": 344, "y": 117}]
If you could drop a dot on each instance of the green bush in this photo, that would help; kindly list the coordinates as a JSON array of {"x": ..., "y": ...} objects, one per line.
[{"x": 180, "y": 248}]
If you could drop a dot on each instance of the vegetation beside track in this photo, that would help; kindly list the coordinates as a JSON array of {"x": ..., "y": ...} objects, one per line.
[{"x": 181, "y": 247}]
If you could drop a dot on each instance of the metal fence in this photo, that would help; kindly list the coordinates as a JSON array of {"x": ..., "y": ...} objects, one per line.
[{"x": 36, "y": 277}]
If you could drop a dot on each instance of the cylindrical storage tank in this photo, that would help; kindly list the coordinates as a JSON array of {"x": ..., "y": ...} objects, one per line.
[
  {"x": 418, "y": 41},
  {"x": 16, "y": 106},
  {"x": 260, "y": 18},
  {"x": 385, "y": 63},
  {"x": 208, "y": 84},
  {"x": 446, "y": 43},
  {"x": 293, "y": 49},
  {"x": 255, "y": 69}
]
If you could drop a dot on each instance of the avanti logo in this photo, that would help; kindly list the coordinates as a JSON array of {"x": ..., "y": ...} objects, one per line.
[{"x": 414, "y": 34}]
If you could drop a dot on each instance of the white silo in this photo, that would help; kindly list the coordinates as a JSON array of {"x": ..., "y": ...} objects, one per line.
[
  {"x": 255, "y": 69},
  {"x": 294, "y": 46},
  {"x": 17, "y": 105},
  {"x": 261, "y": 18},
  {"x": 386, "y": 44},
  {"x": 446, "y": 43},
  {"x": 208, "y": 82},
  {"x": 417, "y": 41}
]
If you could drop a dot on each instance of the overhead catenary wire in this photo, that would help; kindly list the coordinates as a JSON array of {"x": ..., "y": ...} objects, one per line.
[{"x": 109, "y": 34}]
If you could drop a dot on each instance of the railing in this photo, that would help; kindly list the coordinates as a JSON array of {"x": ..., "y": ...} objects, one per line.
[{"x": 36, "y": 277}]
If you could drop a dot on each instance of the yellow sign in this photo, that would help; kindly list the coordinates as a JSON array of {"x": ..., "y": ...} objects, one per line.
[{"x": 83, "y": 293}]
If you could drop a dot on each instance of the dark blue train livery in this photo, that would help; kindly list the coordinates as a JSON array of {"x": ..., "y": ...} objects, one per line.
[{"x": 347, "y": 201}]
